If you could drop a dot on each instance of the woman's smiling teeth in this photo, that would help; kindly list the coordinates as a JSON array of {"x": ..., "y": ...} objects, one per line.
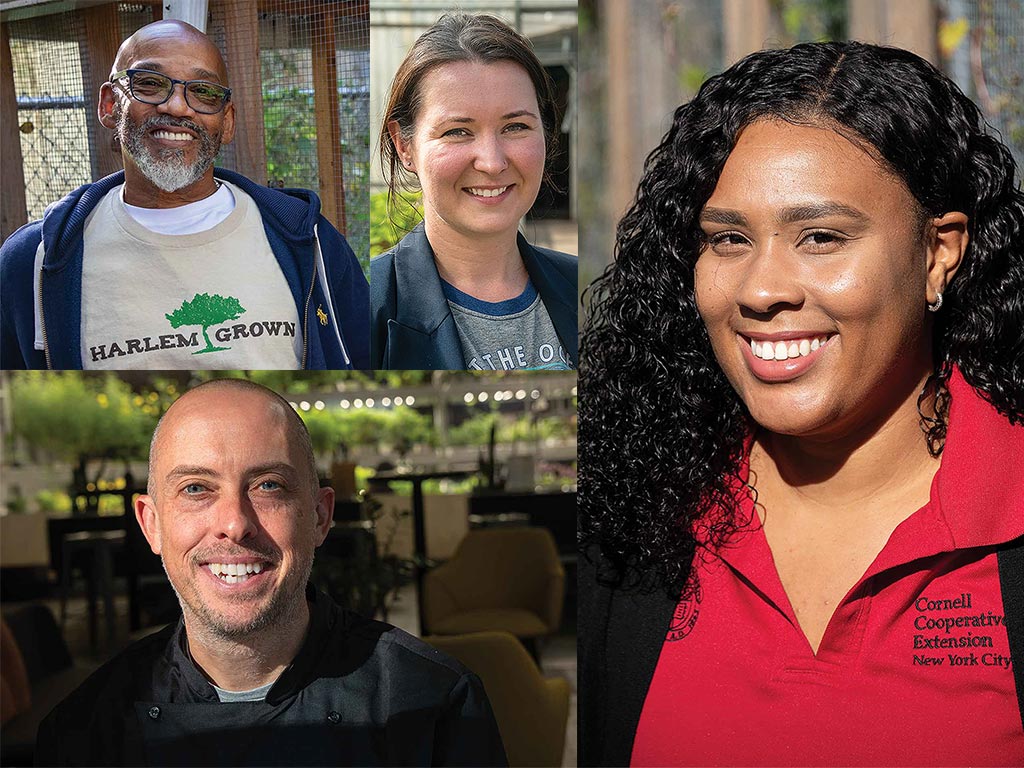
[
  {"x": 172, "y": 136},
  {"x": 232, "y": 573},
  {"x": 784, "y": 350},
  {"x": 486, "y": 192}
]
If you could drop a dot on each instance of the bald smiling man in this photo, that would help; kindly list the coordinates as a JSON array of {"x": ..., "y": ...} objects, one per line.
[
  {"x": 172, "y": 264},
  {"x": 261, "y": 669}
]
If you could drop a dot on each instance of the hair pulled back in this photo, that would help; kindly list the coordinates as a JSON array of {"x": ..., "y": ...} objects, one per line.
[{"x": 456, "y": 37}]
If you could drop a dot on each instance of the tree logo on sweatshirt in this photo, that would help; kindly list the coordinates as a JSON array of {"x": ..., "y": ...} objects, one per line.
[{"x": 206, "y": 310}]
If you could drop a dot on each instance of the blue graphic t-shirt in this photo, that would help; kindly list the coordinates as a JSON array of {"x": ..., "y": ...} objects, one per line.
[{"x": 515, "y": 334}]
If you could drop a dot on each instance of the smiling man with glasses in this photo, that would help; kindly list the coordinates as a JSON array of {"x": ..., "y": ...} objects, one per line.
[
  {"x": 173, "y": 264},
  {"x": 155, "y": 88},
  {"x": 168, "y": 169}
]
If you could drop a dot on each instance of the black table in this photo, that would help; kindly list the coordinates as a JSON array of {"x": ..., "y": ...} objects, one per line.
[{"x": 102, "y": 546}]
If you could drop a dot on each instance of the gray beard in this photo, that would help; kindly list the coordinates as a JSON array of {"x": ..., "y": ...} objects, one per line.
[{"x": 167, "y": 169}]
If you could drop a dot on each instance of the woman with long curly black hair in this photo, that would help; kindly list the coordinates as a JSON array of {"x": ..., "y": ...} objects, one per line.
[{"x": 802, "y": 396}]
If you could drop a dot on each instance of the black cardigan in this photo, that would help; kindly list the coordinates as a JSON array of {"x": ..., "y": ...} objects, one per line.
[{"x": 621, "y": 632}]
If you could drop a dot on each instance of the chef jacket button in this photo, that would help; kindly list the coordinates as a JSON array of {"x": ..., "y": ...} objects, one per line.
[
  {"x": 333, "y": 717},
  {"x": 154, "y": 712}
]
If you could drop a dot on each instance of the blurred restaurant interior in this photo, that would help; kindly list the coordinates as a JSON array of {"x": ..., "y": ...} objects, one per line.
[{"x": 455, "y": 520}]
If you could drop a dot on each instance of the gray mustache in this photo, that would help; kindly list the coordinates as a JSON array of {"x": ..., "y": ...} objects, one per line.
[{"x": 165, "y": 121}]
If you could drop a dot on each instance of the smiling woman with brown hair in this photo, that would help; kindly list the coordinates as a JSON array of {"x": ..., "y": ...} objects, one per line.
[
  {"x": 800, "y": 419},
  {"x": 470, "y": 120}
]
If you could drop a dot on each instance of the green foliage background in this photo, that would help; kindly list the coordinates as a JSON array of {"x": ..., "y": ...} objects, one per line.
[
  {"x": 67, "y": 416},
  {"x": 387, "y": 227},
  {"x": 476, "y": 430},
  {"x": 335, "y": 431},
  {"x": 91, "y": 419},
  {"x": 289, "y": 129}
]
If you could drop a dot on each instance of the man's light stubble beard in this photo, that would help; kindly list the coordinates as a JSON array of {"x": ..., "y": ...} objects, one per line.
[
  {"x": 168, "y": 170},
  {"x": 214, "y": 625}
]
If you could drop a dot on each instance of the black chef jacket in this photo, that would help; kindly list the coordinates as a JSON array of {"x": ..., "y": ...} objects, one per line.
[{"x": 359, "y": 692}]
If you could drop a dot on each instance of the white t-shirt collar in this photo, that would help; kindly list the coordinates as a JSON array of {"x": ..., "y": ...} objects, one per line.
[{"x": 185, "y": 219}]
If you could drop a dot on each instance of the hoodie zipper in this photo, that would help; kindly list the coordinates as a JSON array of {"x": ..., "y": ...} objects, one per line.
[
  {"x": 42, "y": 323},
  {"x": 305, "y": 317},
  {"x": 330, "y": 300}
]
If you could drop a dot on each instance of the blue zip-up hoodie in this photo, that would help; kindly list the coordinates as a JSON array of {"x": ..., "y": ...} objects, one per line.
[{"x": 320, "y": 268}]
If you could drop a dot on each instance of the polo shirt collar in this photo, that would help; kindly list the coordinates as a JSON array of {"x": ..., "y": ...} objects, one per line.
[
  {"x": 979, "y": 487},
  {"x": 977, "y": 497}
]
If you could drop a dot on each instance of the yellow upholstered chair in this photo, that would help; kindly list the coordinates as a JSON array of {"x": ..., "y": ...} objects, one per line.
[
  {"x": 532, "y": 711},
  {"x": 505, "y": 579}
]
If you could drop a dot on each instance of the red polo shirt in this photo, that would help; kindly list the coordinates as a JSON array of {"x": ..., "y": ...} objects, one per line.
[{"x": 914, "y": 667}]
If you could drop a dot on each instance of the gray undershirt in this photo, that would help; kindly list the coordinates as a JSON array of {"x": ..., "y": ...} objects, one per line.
[
  {"x": 254, "y": 694},
  {"x": 506, "y": 335}
]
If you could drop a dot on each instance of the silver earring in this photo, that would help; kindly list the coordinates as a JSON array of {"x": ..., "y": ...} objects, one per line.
[{"x": 938, "y": 302}]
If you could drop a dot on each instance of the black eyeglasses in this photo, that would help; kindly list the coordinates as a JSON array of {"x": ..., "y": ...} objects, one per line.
[{"x": 156, "y": 88}]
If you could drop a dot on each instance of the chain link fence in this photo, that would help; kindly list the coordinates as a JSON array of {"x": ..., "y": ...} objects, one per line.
[{"x": 52, "y": 107}]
